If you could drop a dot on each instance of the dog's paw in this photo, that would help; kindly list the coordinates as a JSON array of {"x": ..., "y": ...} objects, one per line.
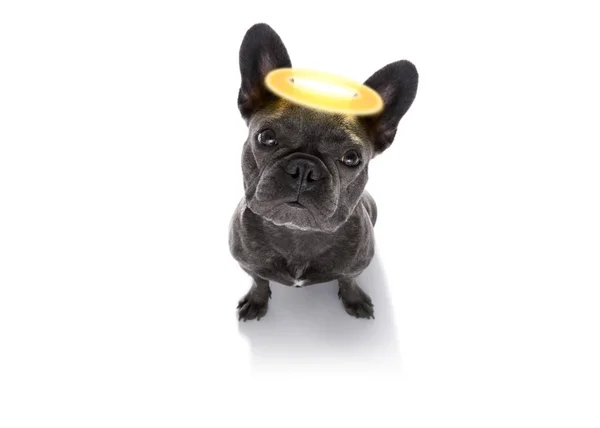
[
  {"x": 357, "y": 303},
  {"x": 250, "y": 307}
]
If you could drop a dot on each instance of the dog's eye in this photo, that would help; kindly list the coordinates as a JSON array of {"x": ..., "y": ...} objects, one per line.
[
  {"x": 267, "y": 137},
  {"x": 351, "y": 158}
]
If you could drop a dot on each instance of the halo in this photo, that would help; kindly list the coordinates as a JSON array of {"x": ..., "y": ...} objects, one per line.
[{"x": 324, "y": 91}]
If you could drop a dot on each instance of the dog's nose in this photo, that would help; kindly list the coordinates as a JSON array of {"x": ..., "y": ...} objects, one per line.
[{"x": 305, "y": 170}]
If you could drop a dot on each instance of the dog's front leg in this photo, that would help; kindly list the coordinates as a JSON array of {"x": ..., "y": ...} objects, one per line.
[
  {"x": 356, "y": 302},
  {"x": 256, "y": 302}
]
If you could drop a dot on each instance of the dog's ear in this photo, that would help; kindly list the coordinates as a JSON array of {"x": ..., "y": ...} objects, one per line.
[
  {"x": 261, "y": 52},
  {"x": 396, "y": 83}
]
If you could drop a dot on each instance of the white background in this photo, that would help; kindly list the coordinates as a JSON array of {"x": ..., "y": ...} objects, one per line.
[{"x": 120, "y": 146}]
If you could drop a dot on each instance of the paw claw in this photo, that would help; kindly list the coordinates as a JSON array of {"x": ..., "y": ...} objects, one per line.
[{"x": 250, "y": 308}]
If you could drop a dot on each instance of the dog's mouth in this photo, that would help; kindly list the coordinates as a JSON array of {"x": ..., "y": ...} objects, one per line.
[{"x": 296, "y": 204}]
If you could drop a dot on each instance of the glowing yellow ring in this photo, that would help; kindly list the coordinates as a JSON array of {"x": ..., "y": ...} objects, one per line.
[{"x": 364, "y": 102}]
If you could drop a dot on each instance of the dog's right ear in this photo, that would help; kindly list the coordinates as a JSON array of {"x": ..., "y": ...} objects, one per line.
[{"x": 261, "y": 52}]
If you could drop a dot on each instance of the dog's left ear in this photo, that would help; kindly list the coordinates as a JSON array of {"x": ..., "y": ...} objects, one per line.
[
  {"x": 396, "y": 83},
  {"x": 262, "y": 51}
]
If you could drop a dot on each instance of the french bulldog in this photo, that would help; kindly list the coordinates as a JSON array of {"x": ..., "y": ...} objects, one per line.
[{"x": 305, "y": 217}]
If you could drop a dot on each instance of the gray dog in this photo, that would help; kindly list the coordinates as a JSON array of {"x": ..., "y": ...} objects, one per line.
[{"x": 305, "y": 217}]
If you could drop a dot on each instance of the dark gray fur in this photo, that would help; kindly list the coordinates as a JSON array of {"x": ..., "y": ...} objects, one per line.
[{"x": 306, "y": 217}]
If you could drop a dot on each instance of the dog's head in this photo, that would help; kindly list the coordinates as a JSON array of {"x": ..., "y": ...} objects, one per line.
[{"x": 304, "y": 168}]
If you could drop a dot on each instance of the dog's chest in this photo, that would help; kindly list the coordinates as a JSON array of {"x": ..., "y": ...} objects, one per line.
[
  {"x": 299, "y": 259},
  {"x": 294, "y": 272},
  {"x": 297, "y": 273}
]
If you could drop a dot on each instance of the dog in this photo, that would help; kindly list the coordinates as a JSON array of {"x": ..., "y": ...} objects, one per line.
[{"x": 305, "y": 217}]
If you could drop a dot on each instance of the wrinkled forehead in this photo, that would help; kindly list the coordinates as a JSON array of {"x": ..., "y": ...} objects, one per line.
[{"x": 309, "y": 123}]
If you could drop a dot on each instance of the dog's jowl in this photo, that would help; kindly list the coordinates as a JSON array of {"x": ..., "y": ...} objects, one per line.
[{"x": 305, "y": 217}]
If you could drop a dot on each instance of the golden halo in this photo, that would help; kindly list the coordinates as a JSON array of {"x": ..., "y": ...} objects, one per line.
[{"x": 337, "y": 94}]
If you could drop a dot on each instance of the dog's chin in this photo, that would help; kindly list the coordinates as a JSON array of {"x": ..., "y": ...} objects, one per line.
[{"x": 292, "y": 215}]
